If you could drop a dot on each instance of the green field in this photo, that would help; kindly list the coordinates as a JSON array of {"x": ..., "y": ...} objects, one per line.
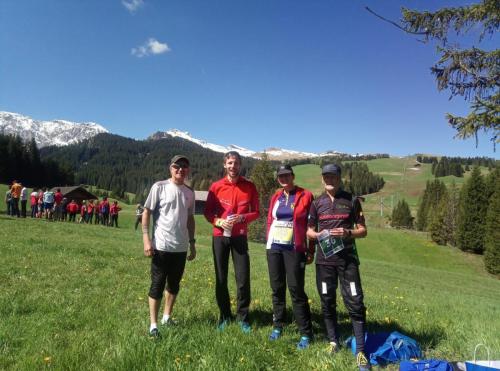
[
  {"x": 402, "y": 181},
  {"x": 74, "y": 297}
]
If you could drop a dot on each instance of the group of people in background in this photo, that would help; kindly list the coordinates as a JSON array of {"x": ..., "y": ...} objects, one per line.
[
  {"x": 296, "y": 224},
  {"x": 54, "y": 206}
]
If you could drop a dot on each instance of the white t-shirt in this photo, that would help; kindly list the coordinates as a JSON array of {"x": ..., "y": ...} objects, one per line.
[
  {"x": 170, "y": 204},
  {"x": 24, "y": 194}
]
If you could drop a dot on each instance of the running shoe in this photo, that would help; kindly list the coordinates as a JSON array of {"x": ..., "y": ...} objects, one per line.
[
  {"x": 169, "y": 322},
  {"x": 362, "y": 361},
  {"x": 303, "y": 342},
  {"x": 154, "y": 333},
  {"x": 333, "y": 348},
  {"x": 245, "y": 327},
  {"x": 275, "y": 334},
  {"x": 223, "y": 323}
]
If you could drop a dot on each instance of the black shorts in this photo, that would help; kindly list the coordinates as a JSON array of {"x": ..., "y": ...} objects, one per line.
[{"x": 166, "y": 268}]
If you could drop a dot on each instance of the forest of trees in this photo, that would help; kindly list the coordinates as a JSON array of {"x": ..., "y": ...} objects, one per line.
[
  {"x": 455, "y": 166},
  {"x": 21, "y": 161},
  {"x": 467, "y": 218},
  {"x": 123, "y": 165}
]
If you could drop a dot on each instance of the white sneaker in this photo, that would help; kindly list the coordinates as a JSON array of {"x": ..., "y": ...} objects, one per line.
[{"x": 168, "y": 322}]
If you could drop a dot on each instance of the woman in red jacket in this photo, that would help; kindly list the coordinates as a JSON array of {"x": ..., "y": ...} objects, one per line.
[{"x": 288, "y": 252}]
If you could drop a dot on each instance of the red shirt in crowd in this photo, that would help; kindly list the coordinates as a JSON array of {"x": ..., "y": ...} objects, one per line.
[
  {"x": 114, "y": 209},
  {"x": 58, "y": 196},
  {"x": 72, "y": 207}
]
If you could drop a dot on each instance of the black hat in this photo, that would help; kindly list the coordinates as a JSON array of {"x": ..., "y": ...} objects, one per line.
[
  {"x": 284, "y": 169},
  {"x": 330, "y": 169},
  {"x": 177, "y": 158}
]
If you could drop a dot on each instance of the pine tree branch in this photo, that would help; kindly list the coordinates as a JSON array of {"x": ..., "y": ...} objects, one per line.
[
  {"x": 438, "y": 24},
  {"x": 395, "y": 24}
]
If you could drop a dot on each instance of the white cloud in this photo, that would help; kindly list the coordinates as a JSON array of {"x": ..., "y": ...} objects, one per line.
[
  {"x": 150, "y": 47},
  {"x": 132, "y": 5}
]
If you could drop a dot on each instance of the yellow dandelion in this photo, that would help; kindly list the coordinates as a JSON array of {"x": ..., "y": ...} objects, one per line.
[
  {"x": 47, "y": 359},
  {"x": 242, "y": 359},
  {"x": 310, "y": 301},
  {"x": 387, "y": 319},
  {"x": 257, "y": 301},
  {"x": 177, "y": 360},
  {"x": 188, "y": 356}
]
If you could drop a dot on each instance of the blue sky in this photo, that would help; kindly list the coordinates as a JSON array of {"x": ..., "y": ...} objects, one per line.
[{"x": 311, "y": 75}]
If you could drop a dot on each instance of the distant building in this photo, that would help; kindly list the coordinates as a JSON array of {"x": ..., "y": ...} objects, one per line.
[
  {"x": 77, "y": 193},
  {"x": 200, "y": 201}
]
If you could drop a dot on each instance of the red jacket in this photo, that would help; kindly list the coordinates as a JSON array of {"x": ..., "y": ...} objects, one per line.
[
  {"x": 72, "y": 208},
  {"x": 90, "y": 208},
  {"x": 226, "y": 198},
  {"x": 113, "y": 209},
  {"x": 303, "y": 201},
  {"x": 58, "y": 196}
]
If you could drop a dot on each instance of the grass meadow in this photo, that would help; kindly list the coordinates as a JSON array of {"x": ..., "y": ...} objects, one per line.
[
  {"x": 74, "y": 297},
  {"x": 402, "y": 181}
]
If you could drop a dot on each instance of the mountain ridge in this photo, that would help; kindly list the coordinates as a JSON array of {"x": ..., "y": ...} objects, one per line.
[{"x": 61, "y": 132}]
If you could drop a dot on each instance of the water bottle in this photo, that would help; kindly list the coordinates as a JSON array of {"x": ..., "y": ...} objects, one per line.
[{"x": 228, "y": 231}]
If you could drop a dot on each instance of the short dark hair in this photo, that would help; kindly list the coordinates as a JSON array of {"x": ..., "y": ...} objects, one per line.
[{"x": 232, "y": 154}]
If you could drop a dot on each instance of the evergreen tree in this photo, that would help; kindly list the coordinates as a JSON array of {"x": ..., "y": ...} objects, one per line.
[
  {"x": 451, "y": 214},
  {"x": 401, "y": 215},
  {"x": 473, "y": 207},
  {"x": 437, "y": 217},
  {"x": 265, "y": 181},
  {"x": 430, "y": 199},
  {"x": 492, "y": 181},
  {"x": 470, "y": 73},
  {"x": 492, "y": 235}
]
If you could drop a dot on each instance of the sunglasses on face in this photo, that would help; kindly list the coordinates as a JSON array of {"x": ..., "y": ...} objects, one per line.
[{"x": 180, "y": 166}]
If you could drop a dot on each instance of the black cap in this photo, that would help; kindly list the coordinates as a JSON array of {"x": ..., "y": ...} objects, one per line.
[
  {"x": 284, "y": 169},
  {"x": 330, "y": 169},
  {"x": 177, "y": 158}
]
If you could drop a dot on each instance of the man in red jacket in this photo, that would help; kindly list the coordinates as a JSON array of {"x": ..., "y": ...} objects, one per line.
[{"x": 232, "y": 203}]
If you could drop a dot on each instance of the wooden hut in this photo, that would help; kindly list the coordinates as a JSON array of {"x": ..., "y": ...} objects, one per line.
[
  {"x": 200, "y": 198},
  {"x": 77, "y": 193}
]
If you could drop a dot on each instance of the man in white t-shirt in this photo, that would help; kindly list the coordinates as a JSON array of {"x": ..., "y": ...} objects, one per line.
[{"x": 171, "y": 203}]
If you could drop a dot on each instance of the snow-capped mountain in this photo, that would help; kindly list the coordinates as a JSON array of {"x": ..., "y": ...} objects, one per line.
[
  {"x": 272, "y": 153},
  {"x": 214, "y": 147},
  {"x": 47, "y": 133}
]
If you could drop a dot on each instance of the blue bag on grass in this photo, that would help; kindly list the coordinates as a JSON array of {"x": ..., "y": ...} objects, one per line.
[
  {"x": 372, "y": 342},
  {"x": 397, "y": 347},
  {"x": 384, "y": 348},
  {"x": 425, "y": 365}
]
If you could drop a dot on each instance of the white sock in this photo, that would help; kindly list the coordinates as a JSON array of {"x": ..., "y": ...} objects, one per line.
[
  {"x": 165, "y": 317},
  {"x": 152, "y": 326}
]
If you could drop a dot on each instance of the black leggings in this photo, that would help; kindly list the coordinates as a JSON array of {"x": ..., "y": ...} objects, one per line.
[
  {"x": 327, "y": 277},
  {"x": 238, "y": 247},
  {"x": 288, "y": 267}
]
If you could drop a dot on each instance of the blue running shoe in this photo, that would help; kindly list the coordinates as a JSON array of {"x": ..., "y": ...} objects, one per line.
[
  {"x": 245, "y": 327},
  {"x": 223, "y": 323},
  {"x": 275, "y": 334},
  {"x": 303, "y": 343}
]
